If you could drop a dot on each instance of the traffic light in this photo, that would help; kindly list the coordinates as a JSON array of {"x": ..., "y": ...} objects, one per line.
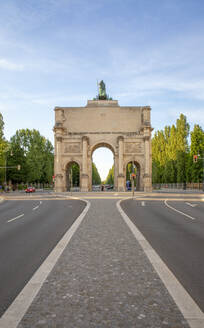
[{"x": 195, "y": 158}]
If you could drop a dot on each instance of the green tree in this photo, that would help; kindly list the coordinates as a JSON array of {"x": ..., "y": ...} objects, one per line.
[
  {"x": 169, "y": 150},
  {"x": 35, "y": 155},
  {"x": 3, "y": 148},
  {"x": 181, "y": 164},
  {"x": 110, "y": 176},
  {"x": 197, "y": 148},
  {"x": 96, "y": 179}
]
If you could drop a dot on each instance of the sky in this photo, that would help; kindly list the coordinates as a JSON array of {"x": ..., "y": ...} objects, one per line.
[{"x": 52, "y": 52}]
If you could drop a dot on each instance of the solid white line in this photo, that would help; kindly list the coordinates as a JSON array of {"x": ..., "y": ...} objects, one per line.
[
  {"x": 17, "y": 217},
  {"x": 174, "y": 209},
  {"x": 190, "y": 310},
  {"x": 20, "y": 305}
]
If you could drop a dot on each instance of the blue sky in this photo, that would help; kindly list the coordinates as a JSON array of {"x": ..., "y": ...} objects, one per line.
[{"x": 52, "y": 52}]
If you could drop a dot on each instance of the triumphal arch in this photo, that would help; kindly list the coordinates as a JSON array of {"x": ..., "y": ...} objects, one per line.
[{"x": 125, "y": 130}]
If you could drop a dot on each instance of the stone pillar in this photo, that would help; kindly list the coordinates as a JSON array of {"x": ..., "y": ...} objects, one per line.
[
  {"x": 85, "y": 155},
  {"x": 84, "y": 182},
  {"x": 120, "y": 156},
  {"x": 121, "y": 182},
  {"x": 115, "y": 172},
  {"x": 147, "y": 173},
  {"x": 58, "y": 170},
  {"x": 147, "y": 153},
  {"x": 89, "y": 169}
]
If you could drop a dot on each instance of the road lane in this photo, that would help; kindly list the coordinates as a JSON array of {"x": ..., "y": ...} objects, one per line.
[
  {"x": 194, "y": 209},
  {"x": 27, "y": 241},
  {"x": 177, "y": 240}
]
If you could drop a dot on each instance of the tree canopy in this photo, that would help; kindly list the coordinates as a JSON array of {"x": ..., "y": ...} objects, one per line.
[
  {"x": 34, "y": 153},
  {"x": 172, "y": 157}
]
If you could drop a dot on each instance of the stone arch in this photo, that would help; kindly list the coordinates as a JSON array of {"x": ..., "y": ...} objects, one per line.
[
  {"x": 125, "y": 130},
  {"x": 68, "y": 177},
  {"x": 138, "y": 174},
  {"x": 105, "y": 144},
  {"x": 97, "y": 145}
]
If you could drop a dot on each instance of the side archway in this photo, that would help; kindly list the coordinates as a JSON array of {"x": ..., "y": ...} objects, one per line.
[
  {"x": 133, "y": 167},
  {"x": 72, "y": 176}
]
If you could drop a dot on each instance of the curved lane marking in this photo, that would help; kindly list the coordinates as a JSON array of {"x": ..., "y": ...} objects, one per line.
[{"x": 174, "y": 209}]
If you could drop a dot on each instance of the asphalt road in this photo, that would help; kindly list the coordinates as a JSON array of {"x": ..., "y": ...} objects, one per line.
[
  {"x": 29, "y": 230},
  {"x": 177, "y": 238}
]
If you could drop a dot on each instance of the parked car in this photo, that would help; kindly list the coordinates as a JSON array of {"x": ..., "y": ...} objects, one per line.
[
  {"x": 108, "y": 187},
  {"x": 30, "y": 189}
]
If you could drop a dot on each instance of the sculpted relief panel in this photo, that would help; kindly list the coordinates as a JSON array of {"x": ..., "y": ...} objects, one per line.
[
  {"x": 72, "y": 147},
  {"x": 134, "y": 147}
]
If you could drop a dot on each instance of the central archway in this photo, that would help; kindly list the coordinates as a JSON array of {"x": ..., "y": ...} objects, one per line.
[{"x": 107, "y": 148}]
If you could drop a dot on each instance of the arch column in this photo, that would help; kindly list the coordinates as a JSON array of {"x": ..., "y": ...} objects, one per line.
[
  {"x": 84, "y": 177},
  {"x": 147, "y": 173},
  {"x": 58, "y": 169},
  {"x": 121, "y": 177},
  {"x": 115, "y": 172}
]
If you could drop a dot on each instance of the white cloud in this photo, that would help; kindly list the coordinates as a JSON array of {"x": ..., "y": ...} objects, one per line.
[{"x": 8, "y": 65}]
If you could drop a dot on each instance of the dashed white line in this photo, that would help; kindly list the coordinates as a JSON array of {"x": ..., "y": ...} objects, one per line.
[
  {"x": 174, "y": 209},
  {"x": 192, "y": 205},
  {"x": 17, "y": 217},
  {"x": 35, "y": 208}
]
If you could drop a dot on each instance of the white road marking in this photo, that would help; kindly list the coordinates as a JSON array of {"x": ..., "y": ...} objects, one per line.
[
  {"x": 192, "y": 205},
  {"x": 20, "y": 305},
  {"x": 174, "y": 209},
  {"x": 190, "y": 310},
  {"x": 143, "y": 203},
  {"x": 17, "y": 217},
  {"x": 35, "y": 208}
]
